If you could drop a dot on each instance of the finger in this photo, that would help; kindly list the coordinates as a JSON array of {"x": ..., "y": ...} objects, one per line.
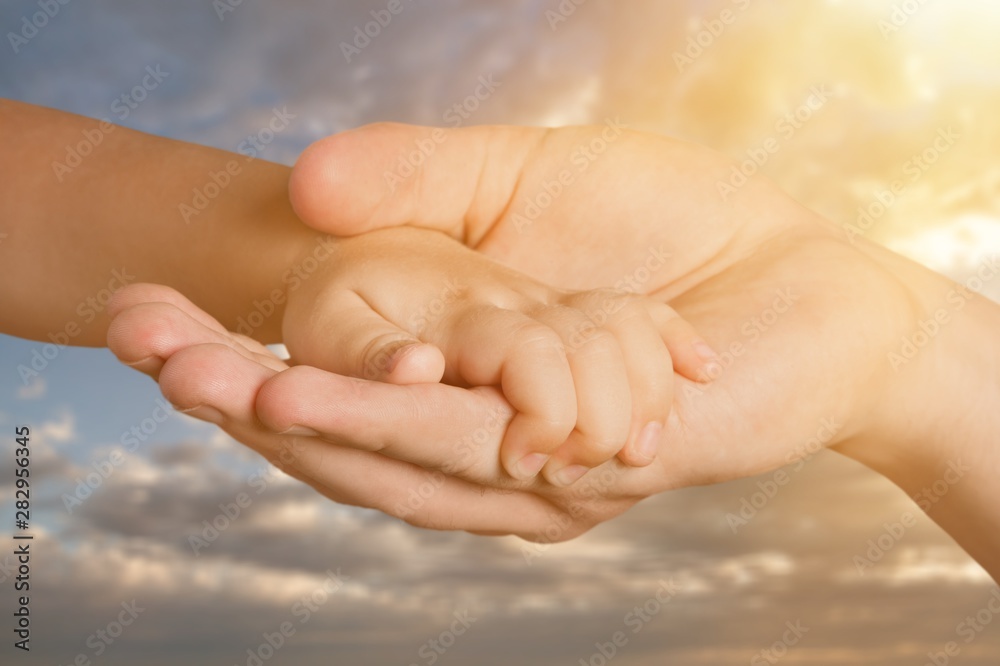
[
  {"x": 358, "y": 342},
  {"x": 366, "y": 179},
  {"x": 424, "y": 498},
  {"x": 144, "y": 336},
  {"x": 142, "y": 293},
  {"x": 135, "y": 294},
  {"x": 527, "y": 360},
  {"x": 692, "y": 357},
  {"x": 650, "y": 376},
  {"x": 214, "y": 382},
  {"x": 601, "y": 388},
  {"x": 437, "y": 426}
]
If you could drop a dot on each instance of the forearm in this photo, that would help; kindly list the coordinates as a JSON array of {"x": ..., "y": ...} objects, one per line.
[
  {"x": 938, "y": 435},
  {"x": 126, "y": 211}
]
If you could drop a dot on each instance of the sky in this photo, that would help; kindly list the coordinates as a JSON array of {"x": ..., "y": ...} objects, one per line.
[{"x": 872, "y": 86}]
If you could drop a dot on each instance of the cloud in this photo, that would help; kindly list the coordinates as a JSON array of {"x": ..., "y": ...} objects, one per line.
[
  {"x": 130, "y": 540},
  {"x": 33, "y": 391},
  {"x": 58, "y": 431},
  {"x": 792, "y": 560}
]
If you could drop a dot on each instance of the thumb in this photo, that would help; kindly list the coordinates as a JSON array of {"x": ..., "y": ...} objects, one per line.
[
  {"x": 358, "y": 342},
  {"x": 390, "y": 174}
]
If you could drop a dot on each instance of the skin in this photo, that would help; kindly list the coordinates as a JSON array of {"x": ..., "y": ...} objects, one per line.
[
  {"x": 730, "y": 261},
  {"x": 822, "y": 367},
  {"x": 74, "y": 234},
  {"x": 586, "y": 371},
  {"x": 119, "y": 209}
]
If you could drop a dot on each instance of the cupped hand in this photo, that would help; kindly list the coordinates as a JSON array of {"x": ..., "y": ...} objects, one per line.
[
  {"x": 426, "y": 453},
  {"x": 804, "y": 318}
]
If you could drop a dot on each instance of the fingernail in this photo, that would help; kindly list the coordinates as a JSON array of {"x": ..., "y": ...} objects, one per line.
[
  {"x": 712, "y": 369},
  {"x": 300, "y": 430},
  {"x": 649, "y": 440},
  {"x": 703, "y": 350},
  {"x": 398, "y": 354},
  {"x": 204, "y": 413},
  {"x": 569, "y": 475},
  {"x": 531, "y": 464}
]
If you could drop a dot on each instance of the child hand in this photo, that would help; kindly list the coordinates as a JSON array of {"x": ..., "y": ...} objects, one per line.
[{"x": 590, "y": 374}]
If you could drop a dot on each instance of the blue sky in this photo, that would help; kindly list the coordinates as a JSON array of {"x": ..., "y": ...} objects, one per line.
[{"x": 401, "y": 587}]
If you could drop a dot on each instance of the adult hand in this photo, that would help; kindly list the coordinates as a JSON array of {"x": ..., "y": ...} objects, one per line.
[
  {"x": 427, "y": 453},
  {"x": 821, "y": 330},
  {"x": 808, "y": 323},
  {"x": 804, "y": 318}
]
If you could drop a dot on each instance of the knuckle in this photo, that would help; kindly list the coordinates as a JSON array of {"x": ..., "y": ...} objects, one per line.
[
  {"x": 463, "y": 464},
  {"x": 602, "y": 299},
  {"x": 602, "y": 440},
  {"x": 537, "y": 338},
  {"x": 603, "y": 447},
  {"x": 553, "y": 424},
  {"x": 629, "y": 310},
  {"x": 596, "y": 344}
]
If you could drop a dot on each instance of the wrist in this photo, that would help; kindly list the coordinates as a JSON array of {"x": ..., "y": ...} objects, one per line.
[
  {"x": 935, "y": 433},
  {"x": 266, "y": 256}
]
